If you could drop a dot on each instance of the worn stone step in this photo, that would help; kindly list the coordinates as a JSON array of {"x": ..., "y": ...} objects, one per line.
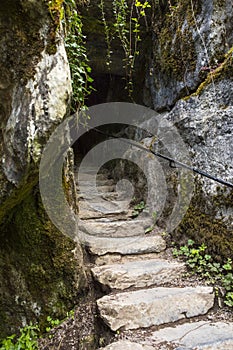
[
  {"x": 123, "y": 245},
  {"x": 98, "y": 189},
  {"x": 101, "y": 209},
  {"x": 156, "y": 306},
  {"x": 99, "y": 182},
  {"x": 95, "y": 197},
  {"x": 113, "y": 258},
  {"x": 202, "y": 335},
  {"x": 89, "y": 176},
  {"x": 86, "y": 214},
  {"x": 138, "y": 274},
  {"x": 127, "y": 345},
  {"x": 109, "y": 228}
]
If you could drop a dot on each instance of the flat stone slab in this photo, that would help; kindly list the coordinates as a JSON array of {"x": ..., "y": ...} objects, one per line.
[
  {"x": 102, "y": 209},
  {"x": 126, "y": 345},
  {"x": 86, "y": 214},
  {"x": 156, "y": 306},
  {"x": 138, "y": 274},
  {"x": 98, "y": 190},
  {"x": 90, "y": 176},
  {"x": 120, "y": 228},
  {"x": 96, "y": 197},
  {"x": 123, "y": 245},
  {"x": 99, "y": 182},
  {"x": 112, "y": 259},
  {"x": 198, "y": 335}
]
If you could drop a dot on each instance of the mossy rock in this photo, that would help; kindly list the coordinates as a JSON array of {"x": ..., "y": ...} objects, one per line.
[
  {"x": 202, "y": 224},
  {"x": 177, "y": 52},
  {"x": 40, "y": 273}
]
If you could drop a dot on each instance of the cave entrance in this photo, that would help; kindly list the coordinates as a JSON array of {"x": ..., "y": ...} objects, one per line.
[
  {"x": 110, "y": 88},
  {"x": 107, "y": 88}
]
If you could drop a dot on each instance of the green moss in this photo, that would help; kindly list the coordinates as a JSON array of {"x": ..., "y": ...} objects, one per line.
[
  {"x": 203, "y": 226},
  {"x": 39, "y": 270},
  {"x": 21, "y": 24},
  {"x": 224, "y": 70},
  {"x": 18, "y": 194},
  {"x": 55, "y": 8},
  {"x": 176, "y": 48}
]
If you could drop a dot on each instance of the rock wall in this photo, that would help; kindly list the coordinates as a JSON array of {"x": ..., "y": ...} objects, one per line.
[
  {"x": 190, "y": 38},
  {"x": 41, "y": 271},
  {"x": 190, "y": 73}
]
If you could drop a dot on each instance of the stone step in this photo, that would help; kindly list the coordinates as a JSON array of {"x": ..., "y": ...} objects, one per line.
[
  {"x": 97, "y": 190},
  {"x": 99, "y": 182},
  {"x": 138, "y": 274},
  {"x": 124, "y": 245},
  {"x": 109, "y": 228},
  {"x": 86, "y": 214},
  {"x": 202, "y": 335},
  {"x": 89, "y": 176},
  {"x": 96, "y": 197},
  {"x": 127, "y": 345},
  {"x": 156, "y": 306},
  {"x": 113, "y": 258},
  {"x": 89, "y": 209}
]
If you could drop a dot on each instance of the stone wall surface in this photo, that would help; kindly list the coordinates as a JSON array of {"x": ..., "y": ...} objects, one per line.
[
  {"x": 190, "y": 74},
  {"x": 189, "y": 39},
  {"x": 41, "y": 271}
]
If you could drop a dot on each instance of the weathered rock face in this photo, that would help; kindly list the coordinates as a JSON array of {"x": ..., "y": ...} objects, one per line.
[
  {"x": 192, "y": 54},
  {"x": 35, "y": 89},
  {"x": 189, "y": 39},
  {"x": 205, "y": 123},
  {"x": 41, "y": 270}
]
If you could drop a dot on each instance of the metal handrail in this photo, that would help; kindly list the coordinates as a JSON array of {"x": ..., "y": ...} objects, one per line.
[{"x": 172, "y": 162}]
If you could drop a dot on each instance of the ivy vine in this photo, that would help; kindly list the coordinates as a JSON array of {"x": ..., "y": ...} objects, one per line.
[
  {"x": 127, "y": 28},
  {"x": 77, "y": 55},
  {"x": 65, "y": 12}
]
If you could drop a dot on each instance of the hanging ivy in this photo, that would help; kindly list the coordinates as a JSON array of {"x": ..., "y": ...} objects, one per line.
[{"x": 127, "y": 28}]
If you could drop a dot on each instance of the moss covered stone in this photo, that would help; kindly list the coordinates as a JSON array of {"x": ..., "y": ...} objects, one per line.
[
  {"x": 175, "y": 52},
  {"x": 223, "y": 70},
  {"x": 202, "y": 224},
  {"x": 42, "y": 269}
]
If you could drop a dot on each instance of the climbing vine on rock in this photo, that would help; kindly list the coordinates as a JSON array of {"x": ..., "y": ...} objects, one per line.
[
  {"x": 65, "y": 12},
  {"x": 77, "y": 55}
]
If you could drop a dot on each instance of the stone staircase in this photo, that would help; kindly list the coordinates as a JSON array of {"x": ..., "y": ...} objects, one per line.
[{"x": 145, "y": 304}]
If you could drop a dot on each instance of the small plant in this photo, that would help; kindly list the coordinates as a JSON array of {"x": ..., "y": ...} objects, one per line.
[
  {"x": 151, "y": 228},
  {"x": 203, "y": 264},
  {"x": 137, "y": 209},
  {"x": 52, "y": 323},
  {"x": 29, "y": 335},
  {"x": 107, "y": 34},
  {"x": 26, "y": 341}
]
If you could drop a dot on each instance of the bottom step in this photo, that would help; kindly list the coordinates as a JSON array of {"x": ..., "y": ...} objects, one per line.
[
  {"x": 127, "y": 345},
  {"x": 156, "y": 306},
  {"x": 201, "y": 335},
  {"x": 198, "y": 335}
]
